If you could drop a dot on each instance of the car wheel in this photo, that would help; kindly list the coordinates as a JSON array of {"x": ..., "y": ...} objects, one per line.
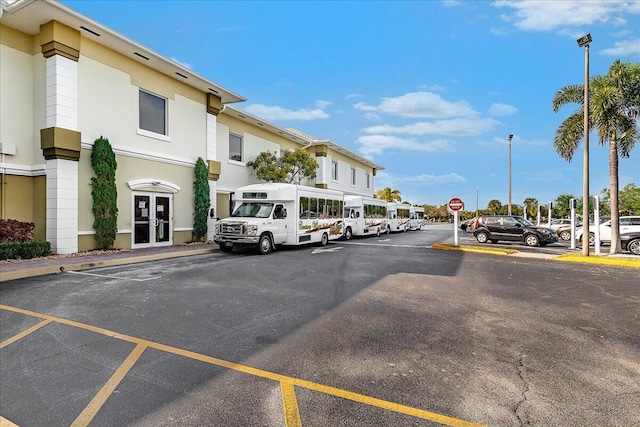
[
  {"x": 482, "y": 237},
  {"x": 634, "y": 246},
  {"x": 348, "y": 234},
  {"x": 226, "y": 247},
  {"x": 324, "y": 239},
  {"x": 264, "y": 244},
  {"x": 565, "y": 235},
  {"x": 532, "y": 240},
  {"x": 378, "y": 232},
  {"x": 592, "y": 239}
]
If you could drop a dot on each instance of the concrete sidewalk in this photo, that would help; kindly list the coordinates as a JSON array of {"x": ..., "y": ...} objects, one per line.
[{"x": 18, "y": 269}]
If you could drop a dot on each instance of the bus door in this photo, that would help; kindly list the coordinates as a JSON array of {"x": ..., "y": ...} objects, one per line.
[{"x": 279, "y": 224}]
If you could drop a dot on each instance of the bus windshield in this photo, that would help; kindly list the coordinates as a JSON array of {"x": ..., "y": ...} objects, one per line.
[{"x": 253, "y": 210}]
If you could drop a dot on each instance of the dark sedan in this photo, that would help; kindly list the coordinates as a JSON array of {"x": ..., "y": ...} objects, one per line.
[{"x": 631, "y": 242}]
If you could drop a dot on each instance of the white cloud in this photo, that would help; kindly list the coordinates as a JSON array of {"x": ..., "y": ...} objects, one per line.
[
  {"x": 377, "y": 144},
  {"x": 623, "y": 48},
  {"x": 323, "y": 104},
  {"x": 354, "y": 95},
  {"x": 556, "y": 15},
  {"x": 420, "y": 105},
  {"x": 502, "y": 110},
  {"x": 450, "y": 3},
  {"x": 274, "y": 113},
  {"x": 453, "y": 127},
  {"x": 384, "y": 179}
]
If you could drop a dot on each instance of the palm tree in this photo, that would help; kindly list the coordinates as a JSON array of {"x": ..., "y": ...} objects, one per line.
[
  {"x": 613, "y": 113},
  {"x": 494, "y": 207},
  {"x": 388, "y": 194}
]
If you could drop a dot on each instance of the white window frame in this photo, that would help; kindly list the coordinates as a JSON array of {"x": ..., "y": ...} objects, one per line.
[
  {"x": 353, "y": 177},
  {"x": 230, "y": 160},
  {"x": 334, "y": 171},
  {"x": 150, "y": 133},
  {"x": 368, "y": 181}
]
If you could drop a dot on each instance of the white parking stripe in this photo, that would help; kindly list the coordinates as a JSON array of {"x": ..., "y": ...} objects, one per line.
[{"x": 106, "y": 276}]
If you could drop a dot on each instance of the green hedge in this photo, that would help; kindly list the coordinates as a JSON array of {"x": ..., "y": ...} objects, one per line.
[{"x": 24, "y": 250}]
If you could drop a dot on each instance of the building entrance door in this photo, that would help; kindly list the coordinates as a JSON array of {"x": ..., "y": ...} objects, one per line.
[{"x": 152, "y": 214}]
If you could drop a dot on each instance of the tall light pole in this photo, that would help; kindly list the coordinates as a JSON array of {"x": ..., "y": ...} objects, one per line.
[
  {"x": 509, "y": 209},
  {"x": 584, "y": 41}
]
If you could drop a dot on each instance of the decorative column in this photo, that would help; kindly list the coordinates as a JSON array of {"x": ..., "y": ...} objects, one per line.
[
  {"x": 60, "y": 140},
  {"x": 214, "y": 107},
  {"x": 321, "y": 171}
]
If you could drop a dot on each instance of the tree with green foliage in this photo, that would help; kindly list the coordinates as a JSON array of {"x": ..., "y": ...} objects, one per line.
[
  {"x": 104, "y": 193},
  {"x": 613, "y": 107},
  {"x": 531, "y": 204},
  {"x": 388, "y": 194},
  {"x": 292, "y": 167},
  {"x": 562, "y": 206},
  {"x": 629, "y": 199},
  {"x": 494, "y": 207},
  {"x": 201, "y": 201}
]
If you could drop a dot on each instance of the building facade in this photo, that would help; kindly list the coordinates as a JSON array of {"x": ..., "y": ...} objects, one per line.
[{"x": 66, "y": 80}]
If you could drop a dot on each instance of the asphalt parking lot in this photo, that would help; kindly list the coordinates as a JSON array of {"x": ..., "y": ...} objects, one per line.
[{"x": 381, "y": 332}]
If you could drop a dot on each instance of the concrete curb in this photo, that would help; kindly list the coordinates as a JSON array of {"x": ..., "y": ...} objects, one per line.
[
  {"x": 69, "y": 265},
  {"x": 467, "y": 248},
  {"x": 593, "y": 259}
]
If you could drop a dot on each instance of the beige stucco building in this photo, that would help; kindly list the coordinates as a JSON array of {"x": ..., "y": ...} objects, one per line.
[{"x": 66, "y": 80}]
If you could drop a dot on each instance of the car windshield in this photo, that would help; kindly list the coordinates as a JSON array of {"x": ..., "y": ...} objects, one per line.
[
  {"x": 523, "y": 221},
  {"x": 253, "y": 210}
]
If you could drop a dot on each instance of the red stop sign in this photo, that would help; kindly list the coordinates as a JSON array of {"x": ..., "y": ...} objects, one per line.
[{"x": 456, "y": 204}]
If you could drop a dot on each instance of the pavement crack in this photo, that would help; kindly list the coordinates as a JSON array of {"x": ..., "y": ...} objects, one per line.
[{"x": 520, "y": 368}]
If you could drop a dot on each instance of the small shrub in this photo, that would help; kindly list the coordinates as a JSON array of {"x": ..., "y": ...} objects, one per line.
[
  {"x": 12, "y": 230},
  {"x": 24, "y": 250}
]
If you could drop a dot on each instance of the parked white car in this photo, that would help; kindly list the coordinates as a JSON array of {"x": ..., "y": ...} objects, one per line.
[{"x": 627, "y": 225}]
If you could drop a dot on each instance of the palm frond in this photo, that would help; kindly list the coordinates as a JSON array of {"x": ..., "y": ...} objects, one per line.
[{"x": 568, "y": 135}]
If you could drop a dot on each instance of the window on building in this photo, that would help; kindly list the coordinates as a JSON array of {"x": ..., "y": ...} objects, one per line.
[
  {"x": 353, "y": 176},
  {"x": 334, "y": 171},
  {"x": 153, "y": 113},
  {"x": 235, "y": 148},
  {"x": 368, "y": 181}
]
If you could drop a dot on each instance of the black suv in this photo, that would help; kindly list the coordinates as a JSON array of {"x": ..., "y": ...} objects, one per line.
[{"x": 514, "y": 228}]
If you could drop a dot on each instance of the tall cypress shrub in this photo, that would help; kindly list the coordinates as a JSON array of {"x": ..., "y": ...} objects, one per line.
[
  {"x": 104, "y": 193},
  {"x": 202, "y": 201}
]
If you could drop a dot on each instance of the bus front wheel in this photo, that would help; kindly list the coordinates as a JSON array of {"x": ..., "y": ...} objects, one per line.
[{"x": 264, "y": 244}]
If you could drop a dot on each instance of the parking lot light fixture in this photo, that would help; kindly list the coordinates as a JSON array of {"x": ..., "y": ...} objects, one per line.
[{"x": 584, "y": 41}]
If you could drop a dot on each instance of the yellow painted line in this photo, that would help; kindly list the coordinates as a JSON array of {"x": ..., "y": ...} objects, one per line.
[
  {"x": 356, "y": 397},
  {"x": 291, "y": 412},
  {"x": 24, "y": 333},
  {"x": 602, "y": 260},
  {"x": 99, "y": 399},
  {"x": 6, "y": 423},
  {"x": 476, "y": 249}
]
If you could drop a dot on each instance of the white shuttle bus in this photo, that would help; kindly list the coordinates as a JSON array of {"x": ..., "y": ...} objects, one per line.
[
  {"x": 398, "y": 216},
  {"x": 364, "y": 216},
  {"x": 416, "y": 218},
  {"x": 271, "y": 214}
]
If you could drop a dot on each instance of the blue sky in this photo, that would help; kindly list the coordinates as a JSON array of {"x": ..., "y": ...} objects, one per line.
[{"x": 428, "y": 89}]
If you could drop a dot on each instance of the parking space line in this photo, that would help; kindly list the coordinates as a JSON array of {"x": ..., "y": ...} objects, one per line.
[
  {"x": 291, "y": 412},
  {"x": 6, "y": 423},
  {"x": 101, "y": 397},
  {"x": 24, "y": 333},
  {"x": 142, "y": 344},
  {"x": 107, "y": 276}
]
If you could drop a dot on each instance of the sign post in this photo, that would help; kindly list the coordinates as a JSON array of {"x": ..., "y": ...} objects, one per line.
[
  {"x": 596, "y": 223},
  {"x": 455, "y": 205},
  {"x": 572, "y": 204}
]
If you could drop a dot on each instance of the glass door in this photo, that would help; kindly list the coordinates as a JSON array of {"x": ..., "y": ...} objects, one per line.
[
  {"x": 152, "y": 213},
  {"x": 141, "y": 220}
]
